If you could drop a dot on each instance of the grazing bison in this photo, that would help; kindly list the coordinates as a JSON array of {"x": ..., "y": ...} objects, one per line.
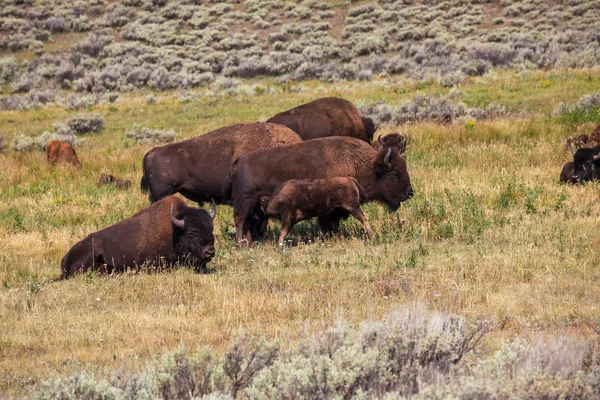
[
  {"x": 107, "y": 179},
  {"x": 329, "y": 116},
  {"x": 167, "y": 230},
  {"x": 392, "y": 140},
  {"x": 296, "y": 200},
  {"x": 382, "y": 175},
  {"x": 197, "y": 167},
  {"x": 57, "y": 151}
]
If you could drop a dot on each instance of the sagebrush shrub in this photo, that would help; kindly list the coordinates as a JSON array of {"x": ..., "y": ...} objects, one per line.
[
  {"x": 86, "y": 123},
  {"x": 150, "y": 136}
]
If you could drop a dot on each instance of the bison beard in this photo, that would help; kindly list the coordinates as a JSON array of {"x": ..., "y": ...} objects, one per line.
[
  {"x": 382, "y": 174},
  {"x": 166, "y": 231},
  {"x": 329, "y": 116}
]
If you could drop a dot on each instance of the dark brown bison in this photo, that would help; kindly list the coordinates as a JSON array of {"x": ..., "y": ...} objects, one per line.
[
  {"x": 567, "y": 173},
  {"x": 197, "y": 167},
  {"x": 391, "y": 140},
  {"x": 107, "y": 179},
  {"x": 586, "y": 165},
  {"x": 60, "y": 152},
  {"x": 382, "y": 174},
  {"x": 166, "y": 231},
  {"x": 299, "y": 199},
  {"x": 329, "y": 116}
]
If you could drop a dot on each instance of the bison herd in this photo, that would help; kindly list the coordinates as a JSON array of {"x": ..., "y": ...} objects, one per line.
[{"x": 315, "y": 160}]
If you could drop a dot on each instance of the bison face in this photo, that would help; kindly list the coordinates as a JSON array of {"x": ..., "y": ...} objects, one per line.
[
  {"x": 193, "y": 238},
  {"x": 264, "y": 204},
  {"x": 568, "y": 173},
  {"x": 582, "y": 172},
  {"x": 393, "y": 182}
]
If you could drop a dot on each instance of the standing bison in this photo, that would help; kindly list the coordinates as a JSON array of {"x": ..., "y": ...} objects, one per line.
[
  {"x": 329, "y": 116},
  {"x": 299, "y": 199},
  {"x": 382, "y": 174},
  {"x": 197, "y": 167},
  {"x": 167, "y": 230},
  {"x": 60, "y": 152}
]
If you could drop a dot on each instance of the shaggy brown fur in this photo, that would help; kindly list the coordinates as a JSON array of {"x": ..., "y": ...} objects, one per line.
[
  {"x": 197, "y": 167},
  {"x": 60, "y": 152},
  {"x": 107, "y": 179},
  {"x": 146, "y": 237},
  {"x": 329, "y": 116},
  {"x": 300, "y": 199}
]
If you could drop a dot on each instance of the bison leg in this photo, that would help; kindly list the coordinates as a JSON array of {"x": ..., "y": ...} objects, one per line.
[
  {"x": 330, "y": 223},
  {"x": 357, "y": 212},
  {"x": 242, "y": 218},
  {"x": 286, "y": 226}
]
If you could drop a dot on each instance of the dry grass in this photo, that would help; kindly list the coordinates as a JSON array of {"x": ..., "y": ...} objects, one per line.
[{"x": 490, "y": 234}]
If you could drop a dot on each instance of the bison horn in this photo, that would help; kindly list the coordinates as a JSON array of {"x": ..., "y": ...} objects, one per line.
[
  {"x": 177, "y": 222},
  {"x": 596, "y": 156},
  {"x": 386, "y": 159},
  {"x": 213, "y": 211},
  {"x": 403, "y": 144},
  {"x": 380, "y": 140},
  {"x": 571, "y": 148}
]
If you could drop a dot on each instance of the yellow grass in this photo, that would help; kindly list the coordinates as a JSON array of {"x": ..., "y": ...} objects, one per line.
[{"x": 490, "y": 234}]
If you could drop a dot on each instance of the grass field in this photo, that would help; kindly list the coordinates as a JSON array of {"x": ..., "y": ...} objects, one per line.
[{"x": 490, "y": 234}]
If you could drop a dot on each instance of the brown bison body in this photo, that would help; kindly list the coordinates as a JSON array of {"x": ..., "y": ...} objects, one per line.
[
  {"x": 329, "y": 116},
  {"x": 197, "y": 167},
  {"x": 166, "y": 231},
  {"x": 107, "y": 179},
  {"x": 568, "y": 172},
  {"x": 382, "y": 174},
  {"x": 297, "y": 200},
  {"x": 391, "y": 140},
  {"x": 60, "y": 152}
]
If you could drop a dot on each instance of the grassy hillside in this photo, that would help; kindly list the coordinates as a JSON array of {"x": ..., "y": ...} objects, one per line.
[{"x": 490, "y": 233}]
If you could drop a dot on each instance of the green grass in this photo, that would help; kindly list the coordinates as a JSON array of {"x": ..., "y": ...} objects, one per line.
[{"x": 490, "y": 234}]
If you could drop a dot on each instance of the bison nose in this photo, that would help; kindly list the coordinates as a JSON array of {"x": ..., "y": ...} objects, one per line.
[{"x": 411, "y": 194}]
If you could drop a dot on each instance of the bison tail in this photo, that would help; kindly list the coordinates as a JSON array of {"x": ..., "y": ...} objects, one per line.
[
  {"x": 144, "y": 185},
  {"x": 227, "y": 186}
]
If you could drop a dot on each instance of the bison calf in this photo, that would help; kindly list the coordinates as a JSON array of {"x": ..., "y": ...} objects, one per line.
[
  {"x": 57, "y": 151},
  {"x": 107, "y": 179},
  {"x": 167, "y": 230},
  {"x": 300, "y": 199}
]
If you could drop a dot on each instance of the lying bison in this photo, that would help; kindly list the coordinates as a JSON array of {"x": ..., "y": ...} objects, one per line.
[
  {"x": 329, "y": 116},
  {"x": 166, "y": 231},
  {"x": 382, "y": 174},
  {"x": 197, "y": 167},
  {"x": 60, "y": 152},
  {"x": 108, "y": 179},
  {"x": 296, "y": 200},
  {"x": 586, "y": 166},
  {"x": 568, "y": 172},
  {"x": 391, "y": 140}
]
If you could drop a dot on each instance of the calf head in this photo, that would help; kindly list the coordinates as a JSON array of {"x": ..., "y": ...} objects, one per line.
[
  {"x": 193, "y": 235},
  {"x": 393, "y": 181},
  {"x": 265, "y": 205}
]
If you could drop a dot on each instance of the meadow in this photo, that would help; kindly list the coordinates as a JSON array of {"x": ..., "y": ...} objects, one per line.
[{"x": 490, "y": 235}]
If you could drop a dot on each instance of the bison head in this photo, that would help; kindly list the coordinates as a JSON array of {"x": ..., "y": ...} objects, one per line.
[
  {"x": 370, "y": 128},
  {"x": 393, "y": 182},
  {"x": 392, "y": 140},
  {"x": 567, "y": 173},
  {"x": 193, "y": 238},
  {"x": 586, "y": 162}
]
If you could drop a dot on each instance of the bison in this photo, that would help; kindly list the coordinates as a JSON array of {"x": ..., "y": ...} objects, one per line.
[
  {"x": 197, "y": 167},
  {"x": 382, "y": 174},
  {"x": 586, "y": 164},
  {"x": 567, "y": 173},
  {"x": 391, "y": 140},
  {"x": 166, "y": 231},
  {"x": 329, "y": 116},
  {"x": 60, "y": 152},
  {"x": 296, "y": 200}
]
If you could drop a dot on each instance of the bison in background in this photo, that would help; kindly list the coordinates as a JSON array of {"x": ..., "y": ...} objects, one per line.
[
  {"x": 107, "y": 179},
  {"x": 329, "y": 116},
  {"x": 391, "y": 140},
  {"x": 166, "y": 231},
  {"x": 297, "y": 200},
  {"x": 60, "y": 152},
  {"x": 382, "y": 175},
  {"x": 197, "y": 167}
]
